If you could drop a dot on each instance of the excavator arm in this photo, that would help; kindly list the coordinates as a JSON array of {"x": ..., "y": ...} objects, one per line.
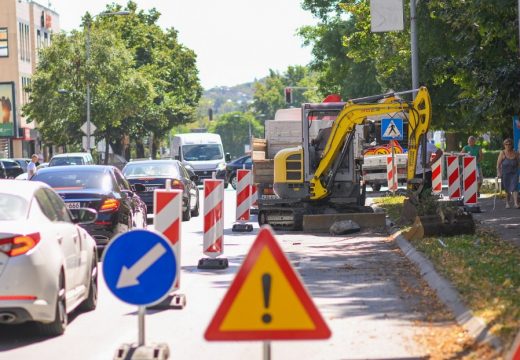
[{"x": 355, "y": 112}]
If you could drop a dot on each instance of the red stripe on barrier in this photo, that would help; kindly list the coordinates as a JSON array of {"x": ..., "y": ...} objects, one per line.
[
  {"x": 454, "y": 176},
  {"x": 456, "y": 193},
  {"x": 163, "y": 200},
  {"x": 172, "y": 232},
  {"x": 243, "y": 195},
  {"x": 209, "y": 186},
  {"x": 213, "y": 216},
  {"x": 470, "y": 179},
  {"x": 451, "y": 159},
  {"x": 216, "y": 246}
]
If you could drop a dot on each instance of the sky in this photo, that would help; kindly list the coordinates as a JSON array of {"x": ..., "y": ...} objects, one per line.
[{"x": 236, "y": 41}]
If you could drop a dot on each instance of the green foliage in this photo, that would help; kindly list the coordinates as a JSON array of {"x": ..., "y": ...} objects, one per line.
[
  {"x": 489, "y": 163},
  {"x": 467, "y": 58},
  {"x": 233, "y": 128}
]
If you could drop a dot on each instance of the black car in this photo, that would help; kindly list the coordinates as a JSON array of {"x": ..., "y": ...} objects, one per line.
[
  {"x": 230, "y": 173},
  {"x": 153, "y": 175},
  {"x": 23, "y": 163},
  {"x": 102, "y": 188},
  {"x": 9, "y": 169}
]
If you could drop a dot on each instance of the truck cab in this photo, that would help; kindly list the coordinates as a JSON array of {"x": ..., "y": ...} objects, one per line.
[{"x": 201, "y": 151}]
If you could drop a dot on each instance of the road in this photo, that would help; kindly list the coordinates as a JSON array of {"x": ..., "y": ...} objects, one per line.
[{"x": 372, "y": 299}]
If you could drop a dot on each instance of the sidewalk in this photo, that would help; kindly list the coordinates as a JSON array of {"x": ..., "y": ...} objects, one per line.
[{"x": 506, "y": 222}]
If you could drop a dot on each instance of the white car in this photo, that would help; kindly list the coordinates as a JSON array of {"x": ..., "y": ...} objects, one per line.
[{"x": 48, "y": 263}]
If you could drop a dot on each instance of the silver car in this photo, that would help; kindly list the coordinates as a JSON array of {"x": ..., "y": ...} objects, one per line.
[{"x": 48, "y": 263}]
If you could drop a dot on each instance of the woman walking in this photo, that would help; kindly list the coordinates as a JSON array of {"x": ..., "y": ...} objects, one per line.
[{"x": 507, "y": 169}]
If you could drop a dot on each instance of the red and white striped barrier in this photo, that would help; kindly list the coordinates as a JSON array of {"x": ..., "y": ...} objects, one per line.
[
  {"x": 470, "y": 180},
  {"x": 391, "y": 174},
  {"x": 243, "y": 194},
  {"x": 437, "y": 176},
  {"x": 454, "y": 192},
  {"x": 167, "y": 205},
  {"x": 213, "y": 217}
]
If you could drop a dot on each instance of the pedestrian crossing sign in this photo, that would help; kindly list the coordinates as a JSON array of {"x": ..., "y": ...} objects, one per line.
[
  {"x": 267, "y": 300},
  {"x": 392, "y": 129}
]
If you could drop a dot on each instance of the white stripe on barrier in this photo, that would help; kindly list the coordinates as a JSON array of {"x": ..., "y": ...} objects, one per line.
[
  {"x": 437, "y": 176},
  {"x": 213, "y": 244},
  {"x": 243, "y": 195}
]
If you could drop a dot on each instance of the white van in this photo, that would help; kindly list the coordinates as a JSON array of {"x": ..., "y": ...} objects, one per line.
[{"x": 202, "y": 151}]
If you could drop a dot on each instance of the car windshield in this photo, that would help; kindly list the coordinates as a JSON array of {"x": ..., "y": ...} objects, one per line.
[
  {"x": 12, "y": 207},
  {"x": 202, "y": 152},
  {"x": 67, "y": 180},
  {"x": 147, "y": 169},
  {"x": 69, "y": 160}
]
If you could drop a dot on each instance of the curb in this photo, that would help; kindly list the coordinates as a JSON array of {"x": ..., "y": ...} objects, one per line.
[{"x": 474, "y": 325}]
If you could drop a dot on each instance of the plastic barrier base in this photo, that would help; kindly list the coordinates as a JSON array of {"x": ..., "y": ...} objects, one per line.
[
  {"x": 211, "y": 264},
  {"x": 159, "y": 351},
  {"x": 172, "y": 301},
  {"x": 242, "y": 228},
  {"x": 472, "y": 208}
]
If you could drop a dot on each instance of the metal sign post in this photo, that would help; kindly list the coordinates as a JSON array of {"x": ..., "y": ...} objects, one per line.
[
  {"x": 140, "y": 267},
  {"x": 267, "y": 350}
]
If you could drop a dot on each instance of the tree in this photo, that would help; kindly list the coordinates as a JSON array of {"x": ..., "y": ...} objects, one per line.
[
  {"x": 170, "y": 66},
  {"x": 117, "y": 89},
  {"x": 233, "y": 128}
]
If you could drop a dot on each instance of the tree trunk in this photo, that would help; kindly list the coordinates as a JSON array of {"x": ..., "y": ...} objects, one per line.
[
  {"x": 107, "y": 148},
  {"x": 452, "y": 141},
  {"x": 155, "y": 146},
  {"x": 139, "y": 148}
]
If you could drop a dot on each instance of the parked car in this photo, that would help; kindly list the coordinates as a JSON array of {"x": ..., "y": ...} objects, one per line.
[
  {"x": 23, "y": 162},
  {"x": 72, "y": 159},
  {"x": 229, "y": 174},
  {"x": 9, "y": 169},
  {"x": 102, "y": 188},
  {"x": 153, "y": 175},
  {"x": 24, "y": 175},
  {"x": 48, "y": 263}
]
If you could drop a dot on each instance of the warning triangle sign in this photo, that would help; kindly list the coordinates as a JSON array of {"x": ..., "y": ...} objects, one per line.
[
  {"x": 392, "y": 131},
  {"x": 267, "y": 300}
]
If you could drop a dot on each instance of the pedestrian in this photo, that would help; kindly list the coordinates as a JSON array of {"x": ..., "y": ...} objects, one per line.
[
  {"x": 433, "y": 153},
  {"x": 507, "y": 170},
  {"x": 31, "y": 167},
  {"x": 475, "y": 150}
]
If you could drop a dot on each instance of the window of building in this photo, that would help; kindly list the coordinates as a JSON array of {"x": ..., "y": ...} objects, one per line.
[
  {"x": 26, "y": 81},
  {"x": 46, "y": 37},
  {"x": 38, "y": 39},
  {"x": 25, "y": 49},
  {"x": 4, "y": 42}
]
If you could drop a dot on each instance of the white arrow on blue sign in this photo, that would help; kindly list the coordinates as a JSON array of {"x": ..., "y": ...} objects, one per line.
[{"x": 139, "y": 267}]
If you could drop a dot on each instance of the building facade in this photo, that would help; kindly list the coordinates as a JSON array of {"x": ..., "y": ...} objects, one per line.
[{"x": 25, "y": 27}]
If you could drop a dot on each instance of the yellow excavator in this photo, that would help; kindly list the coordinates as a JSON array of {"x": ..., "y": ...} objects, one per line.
[{"x": 309, "y": 182}]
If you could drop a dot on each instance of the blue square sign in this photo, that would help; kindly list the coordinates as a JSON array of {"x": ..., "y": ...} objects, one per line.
[{"x": 392, "y": 129}]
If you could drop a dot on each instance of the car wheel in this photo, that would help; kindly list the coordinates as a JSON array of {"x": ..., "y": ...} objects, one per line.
[
  {"x": 90, "y": 302},
  {"x": 57, "y": 327},
  {"x": 186, "y": 215},
  {"x": 233, "y": 181},
  {"x": 226, "y": 185},
  {"x": 195, "y": 212},
  {"x": 376, "y": 187}
]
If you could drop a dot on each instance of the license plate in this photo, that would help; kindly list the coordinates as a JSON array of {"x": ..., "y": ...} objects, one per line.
[
  {"x": 150, "y": 188},
  {"x": 73, "y": 205}
]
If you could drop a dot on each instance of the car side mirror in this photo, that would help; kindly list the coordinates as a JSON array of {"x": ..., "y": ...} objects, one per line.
[
  {"x": 138, "y": 187},
  {"x": 228, "y": 157},
  {"x": 194, "y": 178},
  {"x": 83, "y": 216}
]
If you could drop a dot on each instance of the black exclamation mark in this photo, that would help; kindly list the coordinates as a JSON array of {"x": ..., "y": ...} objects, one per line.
[{"x": 266, "y": 286}]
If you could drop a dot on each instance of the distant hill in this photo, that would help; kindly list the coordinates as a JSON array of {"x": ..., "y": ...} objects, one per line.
[{"x": 224, "y": 99}]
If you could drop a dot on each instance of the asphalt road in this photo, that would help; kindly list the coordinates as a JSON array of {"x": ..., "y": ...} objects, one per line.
[{"x": 373, "y": 300}]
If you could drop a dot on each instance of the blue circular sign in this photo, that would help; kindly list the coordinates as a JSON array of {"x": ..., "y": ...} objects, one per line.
[{"x": 139, "y": 267}]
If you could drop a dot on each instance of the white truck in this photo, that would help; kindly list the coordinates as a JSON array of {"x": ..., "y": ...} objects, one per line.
[{"x": 203, "y": 152}]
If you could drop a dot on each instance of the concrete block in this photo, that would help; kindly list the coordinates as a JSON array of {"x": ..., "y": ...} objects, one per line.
[
  {"x": 159, "y": 351},
  {"x": 213, "y": 264}
]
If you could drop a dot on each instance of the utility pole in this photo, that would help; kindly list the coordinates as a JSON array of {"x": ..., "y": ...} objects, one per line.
[{"x": 414, "y": 47}]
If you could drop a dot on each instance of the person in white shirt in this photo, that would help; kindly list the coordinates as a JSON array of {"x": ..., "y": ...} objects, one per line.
[
  {"x": 31, "y": 167},
  {"x": 433, "y": 153}
]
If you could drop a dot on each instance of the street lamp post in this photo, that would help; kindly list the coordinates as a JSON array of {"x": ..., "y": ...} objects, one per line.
[{"x": 87, "y": 61}]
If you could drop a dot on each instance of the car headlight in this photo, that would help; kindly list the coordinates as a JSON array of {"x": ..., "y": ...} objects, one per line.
[{"x": 221, "y": 166}]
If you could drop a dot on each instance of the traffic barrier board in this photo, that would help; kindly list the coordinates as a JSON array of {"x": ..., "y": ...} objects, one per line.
[
  {"x": 139, "y": 267},
  {"x": 267, "y": 300}
]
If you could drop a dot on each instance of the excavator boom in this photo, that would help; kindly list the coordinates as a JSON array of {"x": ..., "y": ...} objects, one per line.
[{"x": 355, "y": 112}]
